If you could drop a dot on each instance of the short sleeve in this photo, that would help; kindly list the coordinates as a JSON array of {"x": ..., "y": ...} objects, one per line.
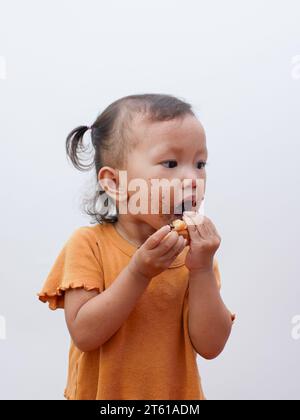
[
  {"x": 78, "y": 265},
  {"x": 218, "y": 279}
]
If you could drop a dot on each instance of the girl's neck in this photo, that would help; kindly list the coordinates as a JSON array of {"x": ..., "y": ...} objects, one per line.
[{"x": 134, "y": 231}]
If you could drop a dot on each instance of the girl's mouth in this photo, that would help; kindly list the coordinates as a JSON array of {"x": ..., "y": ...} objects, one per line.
[{"x": 186, "y": 205}]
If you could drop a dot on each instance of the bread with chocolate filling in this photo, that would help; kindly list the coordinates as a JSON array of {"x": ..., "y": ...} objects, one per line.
[{"x": 181, "y": 227}]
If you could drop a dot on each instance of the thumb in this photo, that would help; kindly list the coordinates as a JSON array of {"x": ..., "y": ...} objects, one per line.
[{"x": 157, "y": 237}]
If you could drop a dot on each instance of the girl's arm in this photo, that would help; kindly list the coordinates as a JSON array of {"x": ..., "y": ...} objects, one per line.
[
  {"x": 93, "y": 318},
  {"x": 210, "y": 322}
]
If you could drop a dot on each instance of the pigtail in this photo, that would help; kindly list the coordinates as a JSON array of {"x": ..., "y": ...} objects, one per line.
[{"x": 75, "y": 148}]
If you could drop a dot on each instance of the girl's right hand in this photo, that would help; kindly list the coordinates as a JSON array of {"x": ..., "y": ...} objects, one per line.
[{"x": 157, "y": 253}]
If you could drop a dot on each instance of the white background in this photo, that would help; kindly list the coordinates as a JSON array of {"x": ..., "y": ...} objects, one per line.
[{"x": 62, "y": 62}]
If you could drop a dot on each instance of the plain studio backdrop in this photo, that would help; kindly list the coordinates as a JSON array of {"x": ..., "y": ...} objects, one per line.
[{"x": 238, "y": 64}]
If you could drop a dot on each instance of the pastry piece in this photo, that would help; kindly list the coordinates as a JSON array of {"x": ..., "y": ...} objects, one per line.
[{"x": 181, "y": 227}]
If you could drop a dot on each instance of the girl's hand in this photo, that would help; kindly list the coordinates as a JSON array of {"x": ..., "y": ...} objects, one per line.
[
  {"x": 157, "y": 253},
  {"x": 205, "y": 241}
]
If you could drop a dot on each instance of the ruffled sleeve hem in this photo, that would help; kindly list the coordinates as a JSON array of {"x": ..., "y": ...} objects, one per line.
[
  {"x": 55, "y": 298},
  {"x": 78, "y": 265}
]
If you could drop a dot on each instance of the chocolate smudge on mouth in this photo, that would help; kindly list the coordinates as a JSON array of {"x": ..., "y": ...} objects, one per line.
[{"x": 189, "y": 205}]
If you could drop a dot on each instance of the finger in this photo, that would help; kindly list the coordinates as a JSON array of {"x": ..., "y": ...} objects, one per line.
[
  {"x": 201, "y": 223},
  {"x": 204, "y": 230},
  {"x": 166, "y": 244},
  {"x": 176, "y": 249},
  {"x": 196, "y": 217},
  {"x": 212, "y": 227},
  {"x": 192, "y": 228},
  {"x": 154, "y": 240},
  {"x": 207, "y": 229},
  {"x": 198, "y": 224}
]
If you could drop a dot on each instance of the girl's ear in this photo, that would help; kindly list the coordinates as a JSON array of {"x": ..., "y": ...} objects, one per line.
[{"x": 108, "y": 179}]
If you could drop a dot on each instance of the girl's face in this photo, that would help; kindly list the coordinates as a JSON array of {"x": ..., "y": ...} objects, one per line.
[{"x": 174, "y": 149}]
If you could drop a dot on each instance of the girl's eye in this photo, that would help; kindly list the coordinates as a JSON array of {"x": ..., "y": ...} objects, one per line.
[
  {"x": 169, "y": 164},
  {"x": 201, "y": 165},
  {"x": 173, "y": 163}
]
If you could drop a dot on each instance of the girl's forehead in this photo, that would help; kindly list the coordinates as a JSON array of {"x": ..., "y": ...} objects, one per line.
[{"x": 181, "y": 133}]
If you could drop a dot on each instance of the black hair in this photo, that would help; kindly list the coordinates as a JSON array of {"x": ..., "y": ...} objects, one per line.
[{"x": 112, "y": 141}]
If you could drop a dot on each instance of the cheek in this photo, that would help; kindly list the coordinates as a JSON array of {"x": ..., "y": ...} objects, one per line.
[
  {"x": 148, "y": 173},
  {"x": 160, "y": 197},
  {"x": 137, "y": 170}
]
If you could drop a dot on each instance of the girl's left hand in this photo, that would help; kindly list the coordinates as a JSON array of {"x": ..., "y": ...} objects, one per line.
[{"x": 205, "y": 241}]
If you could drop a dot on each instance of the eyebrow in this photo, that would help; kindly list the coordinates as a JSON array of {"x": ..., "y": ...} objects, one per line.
[
  {"x": 170, "y": 148},
  {"x": 175, "y": 148}
]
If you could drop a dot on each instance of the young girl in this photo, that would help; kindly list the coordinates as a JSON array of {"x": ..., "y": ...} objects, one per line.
[{"x": 139, "y": 303}]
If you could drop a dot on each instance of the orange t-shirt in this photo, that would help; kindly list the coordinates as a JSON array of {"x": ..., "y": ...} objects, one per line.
[{"x": 151, "y": 355}]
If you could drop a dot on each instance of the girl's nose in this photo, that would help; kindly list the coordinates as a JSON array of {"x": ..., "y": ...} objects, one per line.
[
  {"x": 192, "y": 183},
  {"x": 189, "y": 179},
  {"x": 189, "y": 182}
]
